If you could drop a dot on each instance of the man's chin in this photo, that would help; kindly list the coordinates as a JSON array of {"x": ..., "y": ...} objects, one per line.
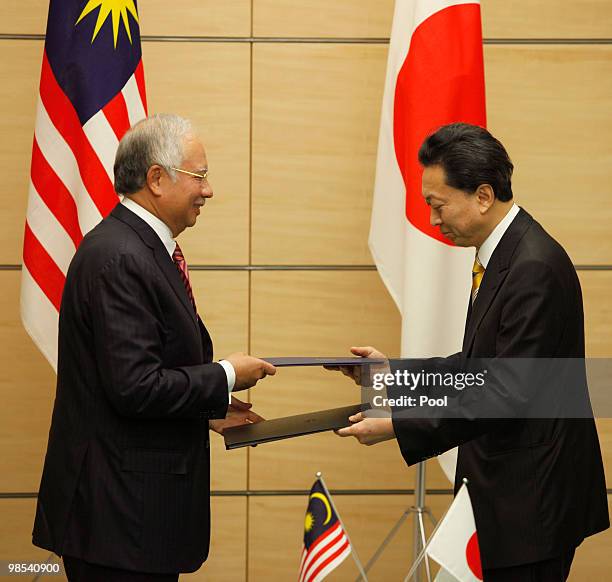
[{"x": 458, "y": 241}]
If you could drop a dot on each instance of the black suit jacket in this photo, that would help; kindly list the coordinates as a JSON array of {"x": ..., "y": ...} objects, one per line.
[
  {"x": 537, "y": 486},
  {"x": 126, "y": 474}
]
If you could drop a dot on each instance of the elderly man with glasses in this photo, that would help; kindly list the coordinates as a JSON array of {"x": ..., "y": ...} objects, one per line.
[{"x": 125, "y": 487}]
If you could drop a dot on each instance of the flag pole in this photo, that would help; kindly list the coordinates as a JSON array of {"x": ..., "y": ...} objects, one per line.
[
  {"x": 353, "y": 551},
  {"x": 421, "y": 555},
  {"x": 419, "y": 508}
]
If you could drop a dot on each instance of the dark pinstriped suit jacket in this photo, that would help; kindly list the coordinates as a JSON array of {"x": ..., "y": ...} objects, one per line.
[
  {"x": 537, "y": 486},
  {"x": 126, "y": 475}
]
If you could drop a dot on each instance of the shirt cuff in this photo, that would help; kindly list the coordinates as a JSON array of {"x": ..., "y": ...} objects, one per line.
[{"x": 231, "y": 377}]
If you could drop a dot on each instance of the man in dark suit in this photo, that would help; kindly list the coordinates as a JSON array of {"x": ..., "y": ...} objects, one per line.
[
  {"x": 537, "y": 485},
  {"x": 124, "y": 493}
]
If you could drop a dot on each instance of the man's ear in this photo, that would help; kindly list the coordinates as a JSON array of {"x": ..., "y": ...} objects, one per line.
[
  {"x": 485, "y": 197},
  {"x": 155, "y": 176}
]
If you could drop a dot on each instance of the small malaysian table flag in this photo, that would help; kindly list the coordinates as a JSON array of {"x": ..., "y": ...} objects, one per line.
[{"x": 326, "y": 543}]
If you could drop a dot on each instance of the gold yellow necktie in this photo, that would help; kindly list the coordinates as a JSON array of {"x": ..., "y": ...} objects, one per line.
[{"x": 477, "y": 274}]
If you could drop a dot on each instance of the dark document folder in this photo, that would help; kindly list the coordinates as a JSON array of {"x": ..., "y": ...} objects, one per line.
[
  {"x": 289, "y": 426},
  {"x": 342, "y": 361}
]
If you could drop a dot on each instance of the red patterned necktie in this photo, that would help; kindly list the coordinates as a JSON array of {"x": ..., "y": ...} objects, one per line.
[{"x": 181, "y": 265}]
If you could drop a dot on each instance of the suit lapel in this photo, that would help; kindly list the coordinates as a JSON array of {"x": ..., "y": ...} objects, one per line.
[
  {"x": 163, "y": 259},
  {"x": 494, "y": 276}
]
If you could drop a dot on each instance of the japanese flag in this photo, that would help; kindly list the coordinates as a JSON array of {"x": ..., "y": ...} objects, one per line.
[
  {"x": 435, "y": 76},
  {"x": 454, "y": 544}
]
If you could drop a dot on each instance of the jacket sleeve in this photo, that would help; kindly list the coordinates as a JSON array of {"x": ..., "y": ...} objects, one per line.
[
  {"x": 530, "y": 326},
  {"x": 129, "y": 336}
]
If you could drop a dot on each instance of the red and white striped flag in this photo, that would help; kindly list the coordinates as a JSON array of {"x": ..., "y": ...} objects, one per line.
[
  {"x": 326, "y": 543},
  {"x": 435, "y": 76},
  {"x": 454, "y": 544},
  {"x": 91, "y": 91}
]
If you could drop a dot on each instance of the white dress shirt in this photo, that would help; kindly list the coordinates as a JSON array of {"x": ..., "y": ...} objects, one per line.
[
  {"x": 485, "y": 251},
  {"x": 159, "y": 226},
  {"x": 165, "y": 234}
]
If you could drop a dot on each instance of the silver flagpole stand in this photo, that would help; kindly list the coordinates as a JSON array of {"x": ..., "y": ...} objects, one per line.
[
  {"x": 418, "y": 528},
  {"x": 362, "y": 573},
  {"x": 417, "y": 510},
  {"x": 422, "y": 554}
]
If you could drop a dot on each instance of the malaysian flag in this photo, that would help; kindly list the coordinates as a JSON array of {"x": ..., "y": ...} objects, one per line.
[
  {"x": 326, "y": 543},
  {"x": 91, "y": 91}
]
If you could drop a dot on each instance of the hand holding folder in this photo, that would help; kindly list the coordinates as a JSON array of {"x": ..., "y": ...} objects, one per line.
[{"x": 301, "y": 424}]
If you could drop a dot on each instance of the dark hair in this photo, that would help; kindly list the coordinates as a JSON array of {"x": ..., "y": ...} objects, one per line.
[{"x": 470, "y": 156}]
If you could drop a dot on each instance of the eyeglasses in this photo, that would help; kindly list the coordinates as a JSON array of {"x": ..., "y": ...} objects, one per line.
[{"x": 199, "y": 176}]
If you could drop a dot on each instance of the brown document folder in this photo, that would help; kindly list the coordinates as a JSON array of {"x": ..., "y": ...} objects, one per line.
[{"x": 289, "y": 426}]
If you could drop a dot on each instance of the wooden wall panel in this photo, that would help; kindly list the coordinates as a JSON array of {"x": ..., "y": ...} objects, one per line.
[
  {"x": 314, "y": 151},
  {"x": 604, "y": 431},
  {"x": 276, "y": 529},
  {"x": 195, "y": 18},
  {"x": 222, "y": 115},
  {"x": 321, "y": 313},
  {"x": 275, "y": 537},
  {"x": 372, "y": 18},
  {"x": 27, "y": 383},
  {"x": 314, "y": 313},
  {"x": 226, "y": 562},
  {"x": 185, "y": 18},
  {"x": 345, "y": 18},
  {"x": 592, "y": 560},
  {"x": 547, "y": 19},
  {"x": 23, "y": 16},
  {"x": 27, "y": 390},
  {"x": 228, "y": 548},
  {"x": 318, "y": 313},
  {"x": 210, "y": 84},
  {"x": 315, "y": 113},
  {"x": 301, "y": 193},
  {"x": 318, "y": 18},
  {"x": 222, "y": 299},
  {"x": 16, "y": 537},
  {"x": 325, "y": 310},
  {"x": 550, "y": 107},
  {"x": 20, "y": 71},
  {"x": 596, "y": 292}
]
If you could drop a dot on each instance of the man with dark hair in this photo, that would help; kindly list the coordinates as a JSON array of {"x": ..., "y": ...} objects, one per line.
[
  {"x": 124, "y": 495},
  {"x": 537, "y": 485},
  {"x": 470, "y": 156}
]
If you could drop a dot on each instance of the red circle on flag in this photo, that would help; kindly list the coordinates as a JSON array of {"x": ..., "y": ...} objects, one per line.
[
  {"x": 472, "y": 555},
  {"x": 441, "y": 81}
]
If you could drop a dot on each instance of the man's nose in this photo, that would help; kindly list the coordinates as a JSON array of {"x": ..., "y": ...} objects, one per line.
[
  {"x": 434, "y": 218},
  {"x": 207, "y": 190}
]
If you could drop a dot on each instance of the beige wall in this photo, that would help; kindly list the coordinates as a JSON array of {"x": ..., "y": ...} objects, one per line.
[{"x": 291, "y": 131}]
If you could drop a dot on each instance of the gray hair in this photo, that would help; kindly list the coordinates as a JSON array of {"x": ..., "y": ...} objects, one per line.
[{"x": 158, "y": 139}]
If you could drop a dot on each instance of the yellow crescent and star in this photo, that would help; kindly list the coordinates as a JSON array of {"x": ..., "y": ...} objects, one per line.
[
  {"x": 118, "y": 9},
  {"x": 310, "y": 520}
]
